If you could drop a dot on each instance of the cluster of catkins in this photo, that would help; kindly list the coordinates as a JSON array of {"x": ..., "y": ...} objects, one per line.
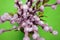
[{"x": 28, "y": 19}]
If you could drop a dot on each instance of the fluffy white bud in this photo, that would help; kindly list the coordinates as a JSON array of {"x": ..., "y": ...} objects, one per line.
[
  {"x": 35, "y": 28},
  {"x": 30, "y": 29},
  {"x": 15, "y": 16},
  {"x": 35, "y": 35},
  {"x": 42, "y": 8},
  {"x": 6, "y": 16},
  {"x": 25, "y": 7},
  {"x": 26, "y": 29},
  {"x": 26, "y": 38},
  {"x": 36, "y": 18},
  {"x": 40, "y": 22},
  {"x": 55, "y": 32},
  {"x": 23, "y": 24},
  {"x": 28, "y": 3}
]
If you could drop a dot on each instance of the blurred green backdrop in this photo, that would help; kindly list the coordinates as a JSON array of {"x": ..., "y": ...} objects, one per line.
[{"x": 53, "y": 20}]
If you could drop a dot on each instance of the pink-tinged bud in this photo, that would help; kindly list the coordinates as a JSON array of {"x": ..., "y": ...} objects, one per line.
[
  {"x": 12, "y": 22},
  {"x": 55, "y": 32},
  {"x": 27, "y": 13},
  {"x": 28, "y": 22},
  {"x": 26, "y": 29},
  {"x": 28, "y": 4},
  {"x": 18, "y": 20},
  {"x": 50, "y": 29},
  {"x": 26, "y": 38},
  {"x": 46, "y": 28},
  {"x": 41, "y": 8},
  {"x": 58, "y": 1},
  {"x": 24, "y": 15},
  {"x": 23, "y": 24},
  {"x": 40, "y": 23},
  {"x": 35, "y": 28},
  {"x": 30, "y": 9},
  {"x": 35, "y": 35},
  {"x": 5, "y": 17},
  {"x": 15, "y": 16},
  {"x": 36, "y": 18},
  {"x": 32, "y": 19},
  {"x": 53, "y": 6}
]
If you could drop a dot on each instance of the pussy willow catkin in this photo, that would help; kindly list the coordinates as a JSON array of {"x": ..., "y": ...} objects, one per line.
[{"x": 28, "y": 19}]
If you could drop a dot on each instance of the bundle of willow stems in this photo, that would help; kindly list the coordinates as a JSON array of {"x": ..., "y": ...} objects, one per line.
[{"x": 28, "y": 19}]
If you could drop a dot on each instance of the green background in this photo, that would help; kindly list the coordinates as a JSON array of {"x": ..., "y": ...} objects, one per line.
[{"x": 53, "y": 19}]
